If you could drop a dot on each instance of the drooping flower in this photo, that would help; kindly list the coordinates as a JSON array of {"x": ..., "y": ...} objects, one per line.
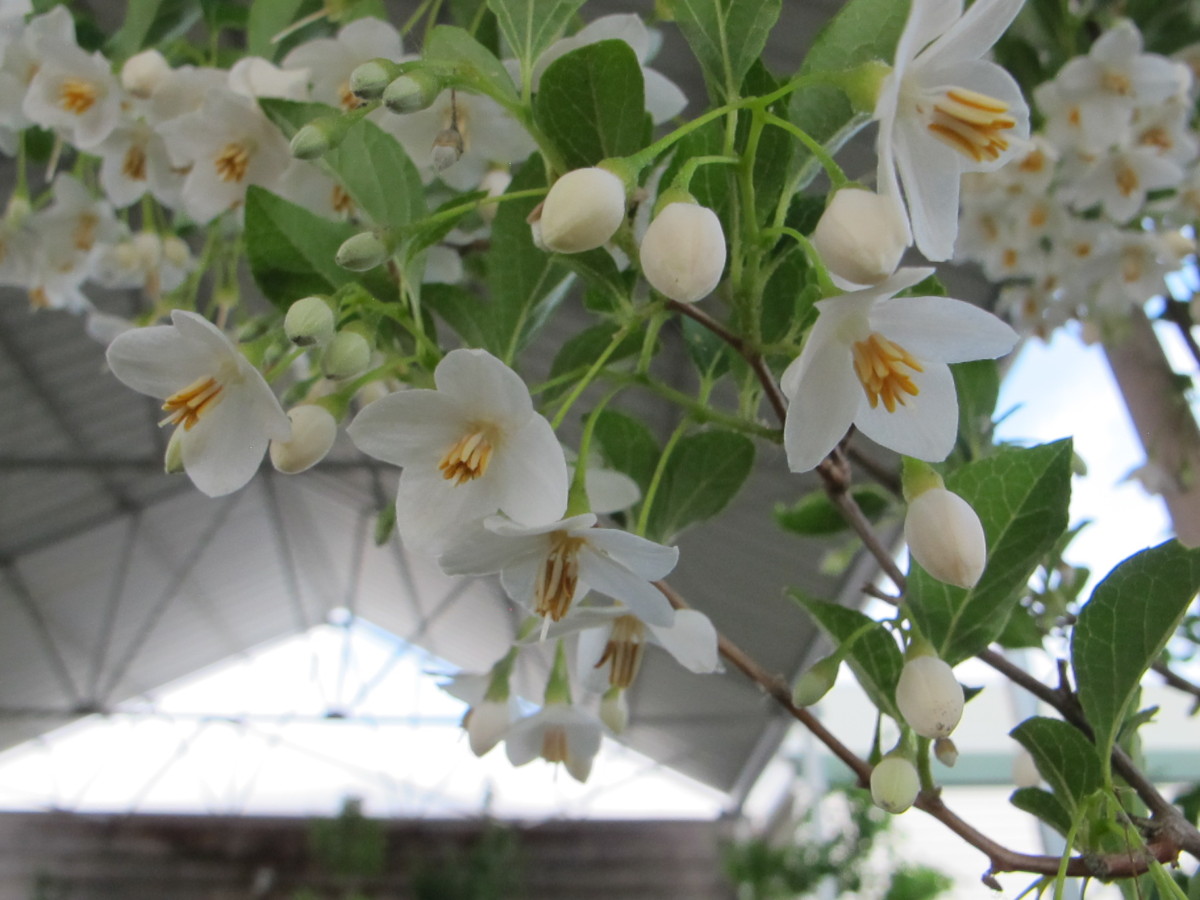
[
  {"x": 943, "y": 111},
  {"x": 880, "y": 362},
  {"x": 74, "y": 92},
  {"x": 558, "y": 733},
  {"x": 612, "y": 641},
  {"x": 471, "y": 447},
  {"x": 224, "y": 410},
  {"x": 549, "y": 567}
]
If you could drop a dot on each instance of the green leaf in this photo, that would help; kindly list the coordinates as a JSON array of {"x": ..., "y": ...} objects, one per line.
[
  {"x": 874, "y": 656},
  {"x": 151, "y": 22},
  {"x": 1021, "y": 496},
  {"x": 815, "y": 515},
  {"x": 578, "y": 353},
  {"x": 978, "y": 386},
  {"x": 726, "y": 36},
  {"x": 705, "y": 472},
  {"x": 627, "y": 445},
  {"x": 292, "y": 253},
  {"x": 776, "y": 155},
  {"x": 788, "y": 298},
  {"x": 466, "y": 313},
  {"x": 600, "y": 273},
  {"x": 710, "y": 353},
  {"x": 591, "y": 103},
  {"x": 270, "y": 17},
  {"x": 1123, "y": 628},
  {"x": 1045, "y": 806},
  {"x": 470, "y": 63},
  {"x": 1065, "y": 758},
  {"x": 530, "y": 26}
]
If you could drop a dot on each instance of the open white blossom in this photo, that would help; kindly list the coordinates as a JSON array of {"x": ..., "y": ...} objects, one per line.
[{"x": 558, "y": 733}]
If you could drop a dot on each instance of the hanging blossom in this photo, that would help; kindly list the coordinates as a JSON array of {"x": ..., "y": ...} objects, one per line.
[
  {"x": 879, "y": 362},
  {"x": 558, "y": 733},
  {"x": 471, "y": 447},
  {"x": 943, "y": 111},
  {"x": 224, "y": 410},
  {"x": 548, "y": 568}
]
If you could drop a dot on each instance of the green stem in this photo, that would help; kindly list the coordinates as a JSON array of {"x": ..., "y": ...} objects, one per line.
[
  {"x": 684, "y": 177},
  {"x": 590, "y": 375},
  {"x": 282, "y": 365},
  {"x": 656, "y": 479},
  {"x": 701, "y": 412},
  {"x": 578, "y": 501},
  {"x": 924, "y": 767},
  {"x": 836, "y": 176},
  {"x": 828, "y": 288},
  {"x": 463, "y": 208}
]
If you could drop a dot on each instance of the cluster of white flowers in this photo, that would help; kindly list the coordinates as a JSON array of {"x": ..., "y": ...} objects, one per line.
[{"x": 1084, "y": 223}]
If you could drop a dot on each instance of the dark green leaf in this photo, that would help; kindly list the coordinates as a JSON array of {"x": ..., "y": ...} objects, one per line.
[
  {"x": 711, "y": 185},
  {"x": 1021, "y": 496},
  {"x": 788, "y": 298},
  {"x": 151, "y": 22},
  {"x": 591, "y": 103},
  {"x": 815, "y": 515},
  {"x": 1021, "y": 630},
  {"x": 874, "y": 656},
  {"x": 1066, "y": 759},
  {"x": 776, "y": 155},
  {"x": 1043, "y": 805},
  {"x": 726, "y": 36},
  {"x": 628, "y": 446},
  {"x": 710, "y": 353},
  {"x": 1123, "y": 628},
  {"x": 469, "y": 315},
  {"x": 530, "y": 26},
  {"x": 578, "y": 353},
  {"x": 704, "y": 473},
  {"x": 600, "y": 273}
]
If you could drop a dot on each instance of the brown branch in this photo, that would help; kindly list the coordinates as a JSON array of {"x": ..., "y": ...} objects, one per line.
[
  {"x": 1176, "y": 680},
  {"x": 1000, "y": 858}
]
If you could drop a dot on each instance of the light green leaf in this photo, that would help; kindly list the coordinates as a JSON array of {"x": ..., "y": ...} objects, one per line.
[
  {"x": 270, "y": 17},
  {"x": 1021, "y": 496},
  {"x": 1065, "y": 758},
  {"x": 469, "y": 63},
  {"x": 1045, "y": 806},
  {"x": 530, "y": 26},
  {"x": 814, "y": 515},
  {"x": 726, "y": 36},
  {"x": 873, "y": 656},
  {"x": 704, "y": 473},
  {"x": 627, "y": 445},
  {"x": 466, "y": 313},
  {"x": 292, "y": 253},
  {"x": 151, "y": 22},
  {"x": 591, "y": 103},
  {"x": 1123, "y": 628},
  {"x": 978, "y": 386}
]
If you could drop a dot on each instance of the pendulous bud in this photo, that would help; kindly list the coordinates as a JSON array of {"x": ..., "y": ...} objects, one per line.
[
  {"x": 347, "y": 355},
  {"x": 946, "y": 537},
  {"x": 412, "y": 91},
  {"x": 143, "y": 72},
  {"x": 487, "y": 723},
  {"x": 946, "y": 752},
  {"x": 816, "y": 682},
  {"x": 929, "y": 696},
  {"x": 309, "y": 322},
  {"x": 683, "y": 252},
  {"x": 894, "y": 784},
  {"x": 314, "y": 430},
  {"x": 861, "y": 236},
  {"x": 582, "y": 211}
]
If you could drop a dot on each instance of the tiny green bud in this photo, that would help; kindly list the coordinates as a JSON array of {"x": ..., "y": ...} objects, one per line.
[
  {"x": 347, "y": 355},
  {"x": 173, "y": 458},
  {"x": 309, "y": 322},
  {"x": 894, "y": 784},
  {"x": 414, "y": 90},
  {"x": 369, "y": 80},
  {"x": 310, "y": 142},
  {"x": 363, "y": 251},
  {"x": 816, "y": 682}
]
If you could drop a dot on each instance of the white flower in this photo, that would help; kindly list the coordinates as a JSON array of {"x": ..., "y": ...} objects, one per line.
[
  {"x": 879, "y": 362},
  {"x": 582, "y": 210},
  {"x": 473, "y": 446},
  {"x": 134, "y": 160},
  {"x": 945, "y": 536},
  {"x": 329, "y": 61},
  {"x": 253, "y": 77},
  {"x": 1119, "y": 181},
  {"x": 612, "y": 641},
  {"x": 486, "y": 721},
  {"x": 558, "y": 733},
  {"x": 929, "y": 696},
  {"x": 225, "y": 410},
  {"x": 73, "y": 92},
  {"x": 549, "y": 567},
  {"x": 683, "y": 252},
  {"x": 943, "y": 111}
]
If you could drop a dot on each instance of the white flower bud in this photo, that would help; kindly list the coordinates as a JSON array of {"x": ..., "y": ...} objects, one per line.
[
  {"x": 861, "y": 236},
  {"x": 894, "y": 784},
  {"x": 347, "y": 355},
  {"x": 1025, "y": 772},
  {"x": 314, "y": 430},
  {"x": 946, "y": 751},
  {"x": 308, "y": 322},
  {"x": 946, "y": 537},
  {"x": 582, "y": 211},
  {"x": 683, "y": 252},
  {"x": 175, "y": 251},
  {"x": 143, "y": 72},
  {"x": 447, "y": 149},
  {"x": 929, "y": 696},
  {"x": 614, "y": 710},
  {"x": 486, "y": 725},
  {"x": 816, "y": 682}
]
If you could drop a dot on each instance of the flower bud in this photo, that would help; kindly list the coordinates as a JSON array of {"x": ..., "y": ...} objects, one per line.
[
  {"x": 447, "y": 149},
  {"x": 582, "y": 211},
  {"x": 861, "y": 236},
  {"x": 683, "y": 252},
  {"x": 614, "y": 710},
  {"x": 361, "y": 252},
  {"x": 946, "y": 752},
  {"x": 310, "y": 142},
  {"x": 894, "y": 784},
  {"x": 369, "y": 80},
  {"x": 308, "y": 322},
  {"x": 946, "y": 537},
  {"x": 175, "y": 251},
  {"x": 347, "y": 355},
  {"x": 816, "y": 682},
  {"x": 314, "y": 430},
  {"x": 412, "y": 91},
  {"x": 143, "y": 72},
  {"x": 929, "y": 696},
  {"x": 486, "y": 725}
]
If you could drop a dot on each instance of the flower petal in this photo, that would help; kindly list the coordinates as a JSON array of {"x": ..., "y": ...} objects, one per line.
[
  {"x": 929, "y": 172},
  {"x": 926, "y": 426},
  {"x": 484, "y": 388},
  {"x": 643, "y": 557},
  {"x": 646, "y": 601},
  {"x": 974, "y": 33},
  {"x": 431, "y": 512},
  {"x": 822, "y": 404},
  {"x": 223, "y": 451},
  {"x": 692, "y": 640},
  {"x": 530, "y": 472},
  {"x": 408, "y": 428},
  {"x": 588, "y": 652},
  {"x": 943, "y": 329},
  {"x": 158, "y": 360}
]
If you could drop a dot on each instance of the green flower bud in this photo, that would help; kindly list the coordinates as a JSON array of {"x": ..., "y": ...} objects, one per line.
[
  {"x": 309, "y": 322},
  {"x": 313, "y": 432},
  {"x": 816, "y": 682},
  {"x": 369, "y": 80},
  {"x": 412, "y": 91},
  {"x": 363, "y": 251},
  {"x": 895, "y": 784},
  {"x": 347, "y": 355}
]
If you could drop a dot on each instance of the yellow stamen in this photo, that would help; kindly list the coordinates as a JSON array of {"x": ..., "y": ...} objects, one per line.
[
  {"x": 38, "y": 298},
  {"x": 972, "y": 123},
  {"x": 84, "y": 234},
  {"x": 188, "y": 405},
  {"x": 468, "y": 459},
  {"x": 1127, "y": 180},
  {"x": 76, "y": 95},
  {"x": 558, "y": 577},
  {"x": 554, "y": 744},
  {"x": 1116, "y": 83},
  {"x": 1157, "y": 137},
  {"x": 346, "y": 98},
  {"x": 231, "y": 163},
  {"x": 341, "y": 201},
  {"x": 134, "y": 164},
  {"x": 877, "y": 362},
  {"x": 1033, "y": 162},
  {"x": 624, "y": 649}
]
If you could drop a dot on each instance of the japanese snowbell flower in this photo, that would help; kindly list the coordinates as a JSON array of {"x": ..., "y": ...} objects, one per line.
[
  {"x": 879, "y": 362},
  {"x": 550, "y": 567},
  {"x": 943, "y": 111},
  {"x": 558, "y": 733},
  {"x": 471, "y": 447},
  {"x": 329, "y": 61},
  {"x": 224, "y": 409},
  {"x": 73, "y": 92}
]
